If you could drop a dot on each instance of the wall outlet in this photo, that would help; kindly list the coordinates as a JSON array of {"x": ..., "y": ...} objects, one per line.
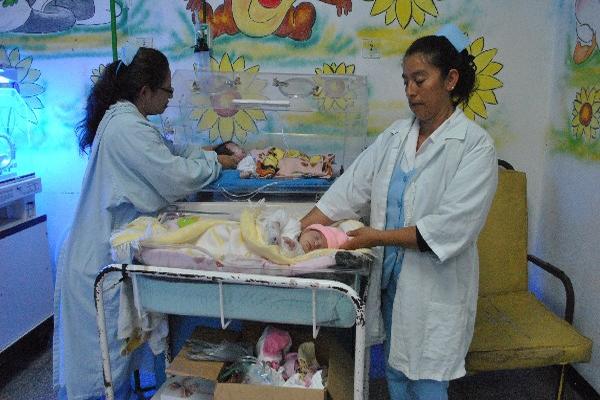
[
  {"x": 371, "y": 48},
  {"x": 142, "y": 41}
]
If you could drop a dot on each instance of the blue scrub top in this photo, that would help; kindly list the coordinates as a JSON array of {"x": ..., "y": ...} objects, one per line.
[{"x": 394, "y": 219}]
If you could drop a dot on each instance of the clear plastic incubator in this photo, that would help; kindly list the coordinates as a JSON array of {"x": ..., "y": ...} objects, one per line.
[{"x": 322, "y": 118}]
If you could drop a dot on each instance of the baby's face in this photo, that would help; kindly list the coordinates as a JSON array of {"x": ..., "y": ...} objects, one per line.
[
  {"x": 312, "y": 240},
  {"x": 236, "y": 151}
]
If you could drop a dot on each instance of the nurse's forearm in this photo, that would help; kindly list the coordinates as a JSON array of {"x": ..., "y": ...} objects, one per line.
[
  {"x": 315, "y": 216},
  {"x": 404, "y": 237}
]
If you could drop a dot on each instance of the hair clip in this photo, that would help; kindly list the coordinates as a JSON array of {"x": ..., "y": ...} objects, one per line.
[
  {"x": 128, "y": 52},
  {"x": 457, "y": 37}
]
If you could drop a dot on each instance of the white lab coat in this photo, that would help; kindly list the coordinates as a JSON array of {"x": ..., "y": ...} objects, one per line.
[
  {"x": 448, "y": 200},
  {"x": 131, "y": 171}
]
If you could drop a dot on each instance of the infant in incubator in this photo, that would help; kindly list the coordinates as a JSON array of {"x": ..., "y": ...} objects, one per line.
[{"x": 275, "y": 162}]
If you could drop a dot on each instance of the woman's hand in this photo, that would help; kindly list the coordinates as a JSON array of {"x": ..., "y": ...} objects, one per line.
[
  {"x": 364, "y": 237},
  {"x": 227, "y": 162}
]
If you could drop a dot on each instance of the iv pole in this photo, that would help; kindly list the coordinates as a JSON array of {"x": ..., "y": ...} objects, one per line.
[{"x": 113, "y": 29}]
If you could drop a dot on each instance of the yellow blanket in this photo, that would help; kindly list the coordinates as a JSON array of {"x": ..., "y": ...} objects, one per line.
[{"x": 148, "y": 231}]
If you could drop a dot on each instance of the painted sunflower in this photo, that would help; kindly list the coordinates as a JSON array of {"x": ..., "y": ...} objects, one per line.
[
  {"x": 26, "y": 77},
  {"x": 585, "y": 118},
  {"x": 485, "y": 81},
  {"x": 334, "y": 94},
  {"x": 216, "y": 112},
  {"x": 404, "y": 10}
]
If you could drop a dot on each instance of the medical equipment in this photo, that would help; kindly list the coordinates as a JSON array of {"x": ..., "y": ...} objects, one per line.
[
  {"x": 307, "y": 300},
  {"x": 317, "y": 114},
  {"x": 26, "y": 288},
  {"x": 202, "y": 46},
  {"x": 15, "y": 119}
]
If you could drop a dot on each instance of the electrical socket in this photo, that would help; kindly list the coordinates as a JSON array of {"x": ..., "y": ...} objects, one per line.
[
  {"x": 142, "y": 41},
  {"x": 371, "y": 48}
]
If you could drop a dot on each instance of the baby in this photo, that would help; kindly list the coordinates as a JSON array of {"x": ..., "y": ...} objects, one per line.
[
  {"x": 277, "y": 162},
  {"x": 224, "y": 240},
  {"x": 230, "y": 148},
  {"x": 319, "y": 236}
]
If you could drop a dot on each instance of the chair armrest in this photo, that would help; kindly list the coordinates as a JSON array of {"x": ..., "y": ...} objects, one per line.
[{"x": 570, "y": 294}]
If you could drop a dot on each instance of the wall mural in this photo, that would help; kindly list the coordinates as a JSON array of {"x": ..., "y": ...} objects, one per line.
[
  {"x": 282, "y": 35},
  {"x": 585, "y": 117},
  {"x": 404, "y": 11},
  {"x": 27, "y": 78},
  {"x": 485, "y": 80},
  {"x": 43, "y": 16},
  {"x": 579, "y": 134},
  {"x": 587, "y": 17},
  {"x": 260, "y": 18}
]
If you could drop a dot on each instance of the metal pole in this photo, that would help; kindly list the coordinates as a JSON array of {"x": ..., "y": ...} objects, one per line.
[
  {"x": 113, "y": 29},
  {"x": 359, "y": 352},
  {"x": 101, "y": 322}
]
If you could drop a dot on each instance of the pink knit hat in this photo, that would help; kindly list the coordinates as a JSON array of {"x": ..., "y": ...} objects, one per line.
[{"x": 335, "y": 236}]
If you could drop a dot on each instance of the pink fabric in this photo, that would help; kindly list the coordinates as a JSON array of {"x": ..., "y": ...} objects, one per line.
[
  {"x": 290, "y": 365},
  {"x": 273, "y": 345},
  {"x": 335, "y": 236}
]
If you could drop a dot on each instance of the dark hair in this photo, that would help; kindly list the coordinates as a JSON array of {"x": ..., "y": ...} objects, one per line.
[
  {"x": 118, "y": 81},
  {"x": 444, "y": 56},
  {"x": 222, "y": 149}
]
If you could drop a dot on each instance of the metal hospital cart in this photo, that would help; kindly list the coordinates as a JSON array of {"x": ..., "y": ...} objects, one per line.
[
  {"x": 315, "y": 114},
  {"x": 308, "y": 301}
]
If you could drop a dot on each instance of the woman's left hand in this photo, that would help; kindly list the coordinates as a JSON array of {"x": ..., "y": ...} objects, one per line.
[{"x": 362, "y": 238}]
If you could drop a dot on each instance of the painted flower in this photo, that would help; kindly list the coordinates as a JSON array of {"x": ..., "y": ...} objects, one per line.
[
  {"x": 97, "y": 73},
  {"x": 485, "y": 81},
  {"x": 585, "y": 118},
  {"x": 333, "y": 94},
  {"x": 26, "y": 77},
  {"x": 404, "y": 10},
  {"x": 216, "y": 112}
]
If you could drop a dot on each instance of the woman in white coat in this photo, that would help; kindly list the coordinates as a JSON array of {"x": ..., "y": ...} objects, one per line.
[
  {"x": 429, "y": 182},
  {"x": 131, "y": 170}
]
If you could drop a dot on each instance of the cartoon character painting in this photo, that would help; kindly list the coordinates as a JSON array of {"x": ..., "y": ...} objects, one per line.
[
  {"x": 48, "y": 16},
  {"x": 260, "y": 18},
  {"x": 587, "y": 15}
]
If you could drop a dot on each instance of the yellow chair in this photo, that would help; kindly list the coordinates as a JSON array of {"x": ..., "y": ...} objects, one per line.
[{"x": 513, "y": 329}]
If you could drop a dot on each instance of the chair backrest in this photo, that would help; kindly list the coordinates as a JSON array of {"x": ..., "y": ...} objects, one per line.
[{"x": 503, "y": 240}]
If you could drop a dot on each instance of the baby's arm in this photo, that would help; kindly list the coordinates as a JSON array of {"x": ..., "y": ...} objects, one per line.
[{"x": 291, "y": 247}]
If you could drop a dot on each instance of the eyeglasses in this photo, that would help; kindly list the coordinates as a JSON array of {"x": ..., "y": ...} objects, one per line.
[{"x": 168, "y": 90}]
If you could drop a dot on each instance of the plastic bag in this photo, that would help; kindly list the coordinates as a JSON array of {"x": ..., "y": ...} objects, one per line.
[{"x": 223, "y": 351}]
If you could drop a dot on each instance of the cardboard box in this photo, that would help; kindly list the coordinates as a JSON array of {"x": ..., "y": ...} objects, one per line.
[
  {"x": 183, "y": 366},
  {"x": 340, "y": 380}
]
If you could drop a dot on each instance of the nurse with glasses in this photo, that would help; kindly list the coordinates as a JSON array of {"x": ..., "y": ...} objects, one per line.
[{"x": 132, "y": 170}]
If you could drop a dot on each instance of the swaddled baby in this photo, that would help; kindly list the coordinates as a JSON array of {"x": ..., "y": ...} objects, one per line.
[
  {"x": 319, "y": 236},
  {"x": 284, "y": 231},
  {"x": 225, "y": 242}
]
